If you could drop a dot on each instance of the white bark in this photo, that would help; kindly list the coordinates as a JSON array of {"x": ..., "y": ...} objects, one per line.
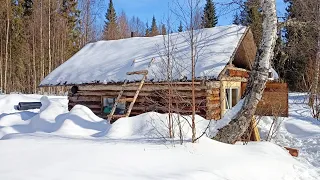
[
  {"x": 49, "y": 42},
  {"x": 258, "y": 77},
  {"x": 41, "y": 42},
  {"x": 7, "y": 44}
]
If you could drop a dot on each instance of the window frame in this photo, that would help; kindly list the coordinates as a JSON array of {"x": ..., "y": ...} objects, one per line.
[
  {"x": 228, "y": 97},
  {"x": 114, "y": 99}
]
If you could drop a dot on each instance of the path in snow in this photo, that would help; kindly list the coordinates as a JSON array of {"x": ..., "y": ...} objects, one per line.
[{"x": 299, "y": 130}]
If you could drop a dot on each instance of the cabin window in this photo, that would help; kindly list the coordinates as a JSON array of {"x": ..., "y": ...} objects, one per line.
[
  {"x": 108, "y": 103},
  {"x": 232, "y": 97}
]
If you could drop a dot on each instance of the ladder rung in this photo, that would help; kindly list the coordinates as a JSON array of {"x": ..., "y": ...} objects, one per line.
[
  {"x": 145, "y": 72},
  {"x": 125, "y": 100},
  {"x": 117, "y": 116}
]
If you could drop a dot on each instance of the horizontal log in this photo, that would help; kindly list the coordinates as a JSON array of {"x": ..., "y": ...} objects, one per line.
[
  {"x": 214, "y": 111},
  {"x": 210, "y": 98},
  {"x": 213, "y": 106},
  {"x": 90, "y": 106},
  {"x": 213, "y": 91},
  {"x": 84, "y": 98},
  {"x": 213, "y": 84},
  {"x": 213, "y": 117}
]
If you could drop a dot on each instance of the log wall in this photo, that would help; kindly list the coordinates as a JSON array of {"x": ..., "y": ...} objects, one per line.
[
  {"x": 153, "y": 97},
  {"x": 274, "y": 100}
]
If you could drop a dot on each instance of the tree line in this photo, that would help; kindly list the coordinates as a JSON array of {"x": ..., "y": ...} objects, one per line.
[
  {"x": 36, "y": 36},
  {"x": 297, "y": 45}
]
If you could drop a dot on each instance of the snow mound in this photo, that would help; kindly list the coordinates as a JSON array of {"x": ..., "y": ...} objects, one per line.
[
  {"x": 54, "y": 118},
  {"x": 153, "y": 125},
  {"x": 81, "y": 121},
  {"x": 45, "y": 121},
  {"x": 8, "y": 102},
  {"x": 18, "y": 118}
]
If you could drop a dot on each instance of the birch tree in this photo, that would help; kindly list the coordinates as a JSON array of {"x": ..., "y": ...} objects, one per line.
[{"x": 258, "y": 77}]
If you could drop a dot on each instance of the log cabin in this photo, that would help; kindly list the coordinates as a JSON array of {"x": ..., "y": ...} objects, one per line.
[{"x": 131, "y": 76}]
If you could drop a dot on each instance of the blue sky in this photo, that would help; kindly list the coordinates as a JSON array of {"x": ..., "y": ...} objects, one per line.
[{"x": 145, "y": 9}]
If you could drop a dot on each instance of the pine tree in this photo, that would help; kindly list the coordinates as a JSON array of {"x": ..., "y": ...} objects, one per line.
[
  {"x": 111, "y": 26},
  {"x": 163, "y": 29},
  {"x": 154, "y": 30},
  {"x": 209, "y": 18},
  {"x": 70, "y": 12},
  {"x": 180, "y": 28}
]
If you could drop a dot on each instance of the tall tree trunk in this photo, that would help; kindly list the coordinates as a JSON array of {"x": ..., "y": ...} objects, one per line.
[
  {"x": 41, "y": 43},
  {"x": 7, "y": 44},
  {"x": 34, "y": 59},
  {"x": 192, "y": 44},
  {"x": 49, "y": 42},
  {"x": 1, "y": 66},
  {"x": 258, "y": 77},
  {"x": 315, "y": 82}
]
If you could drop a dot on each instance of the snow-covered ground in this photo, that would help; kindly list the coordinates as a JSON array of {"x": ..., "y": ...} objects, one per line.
[{"x": 53, "y": 143}]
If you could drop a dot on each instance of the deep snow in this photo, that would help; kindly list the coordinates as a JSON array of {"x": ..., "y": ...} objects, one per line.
[
  {"x": 101, "y": 62},
  {"x": 56, "y": 144}
]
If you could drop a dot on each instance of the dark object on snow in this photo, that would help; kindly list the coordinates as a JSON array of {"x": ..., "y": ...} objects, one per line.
[{"x": 28, "y": 105}]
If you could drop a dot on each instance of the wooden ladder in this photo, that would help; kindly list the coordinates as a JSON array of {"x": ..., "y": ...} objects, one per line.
[{"x": 132, "y": 100}]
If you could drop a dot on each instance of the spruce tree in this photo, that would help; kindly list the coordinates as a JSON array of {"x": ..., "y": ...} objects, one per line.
[
  {"x": 154, "y": 30},
  {"x": 163, "y": 29},
  {"x": 111, "y": 26},
  {"x": 209, "y": 18},
  {"x": 251, "y": 16},
  {"x": 147, "y": 30},
  {"x": 180, "y": 28}
]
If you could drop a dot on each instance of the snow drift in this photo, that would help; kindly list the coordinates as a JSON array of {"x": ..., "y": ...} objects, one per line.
[
  {"x": 80, "y": 145},
  {"x": 54, "y": 118}
]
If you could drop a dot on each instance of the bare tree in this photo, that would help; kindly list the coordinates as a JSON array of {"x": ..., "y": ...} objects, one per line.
[
  {"x": 258, "y": 77},
  {"x": 123, "y": 26}
]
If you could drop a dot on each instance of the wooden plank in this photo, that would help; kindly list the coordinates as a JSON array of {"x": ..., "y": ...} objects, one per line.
[
  {"x": 255, "y": 131},
  {"x": 274, "y": 100},
  {"x": 144, "y": 72},
  {"x": 136, "y": 95},
  {"x": 238, "y": 73}
]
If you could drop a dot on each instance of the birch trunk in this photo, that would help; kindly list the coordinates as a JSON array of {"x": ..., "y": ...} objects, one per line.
[
  {"x": 315, "y": 82},
  {"x": 7, "y": 44},
  {"x": 34, "y": 58},
  {"x": 1, "y": 70},
  {"x": 41, "y": 43},
  {"x": 49, "y": 42},
  {"x": 258, "y": 77}
]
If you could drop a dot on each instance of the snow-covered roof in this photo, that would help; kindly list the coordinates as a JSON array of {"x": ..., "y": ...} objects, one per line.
[{"x": 108, "y": 61}]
